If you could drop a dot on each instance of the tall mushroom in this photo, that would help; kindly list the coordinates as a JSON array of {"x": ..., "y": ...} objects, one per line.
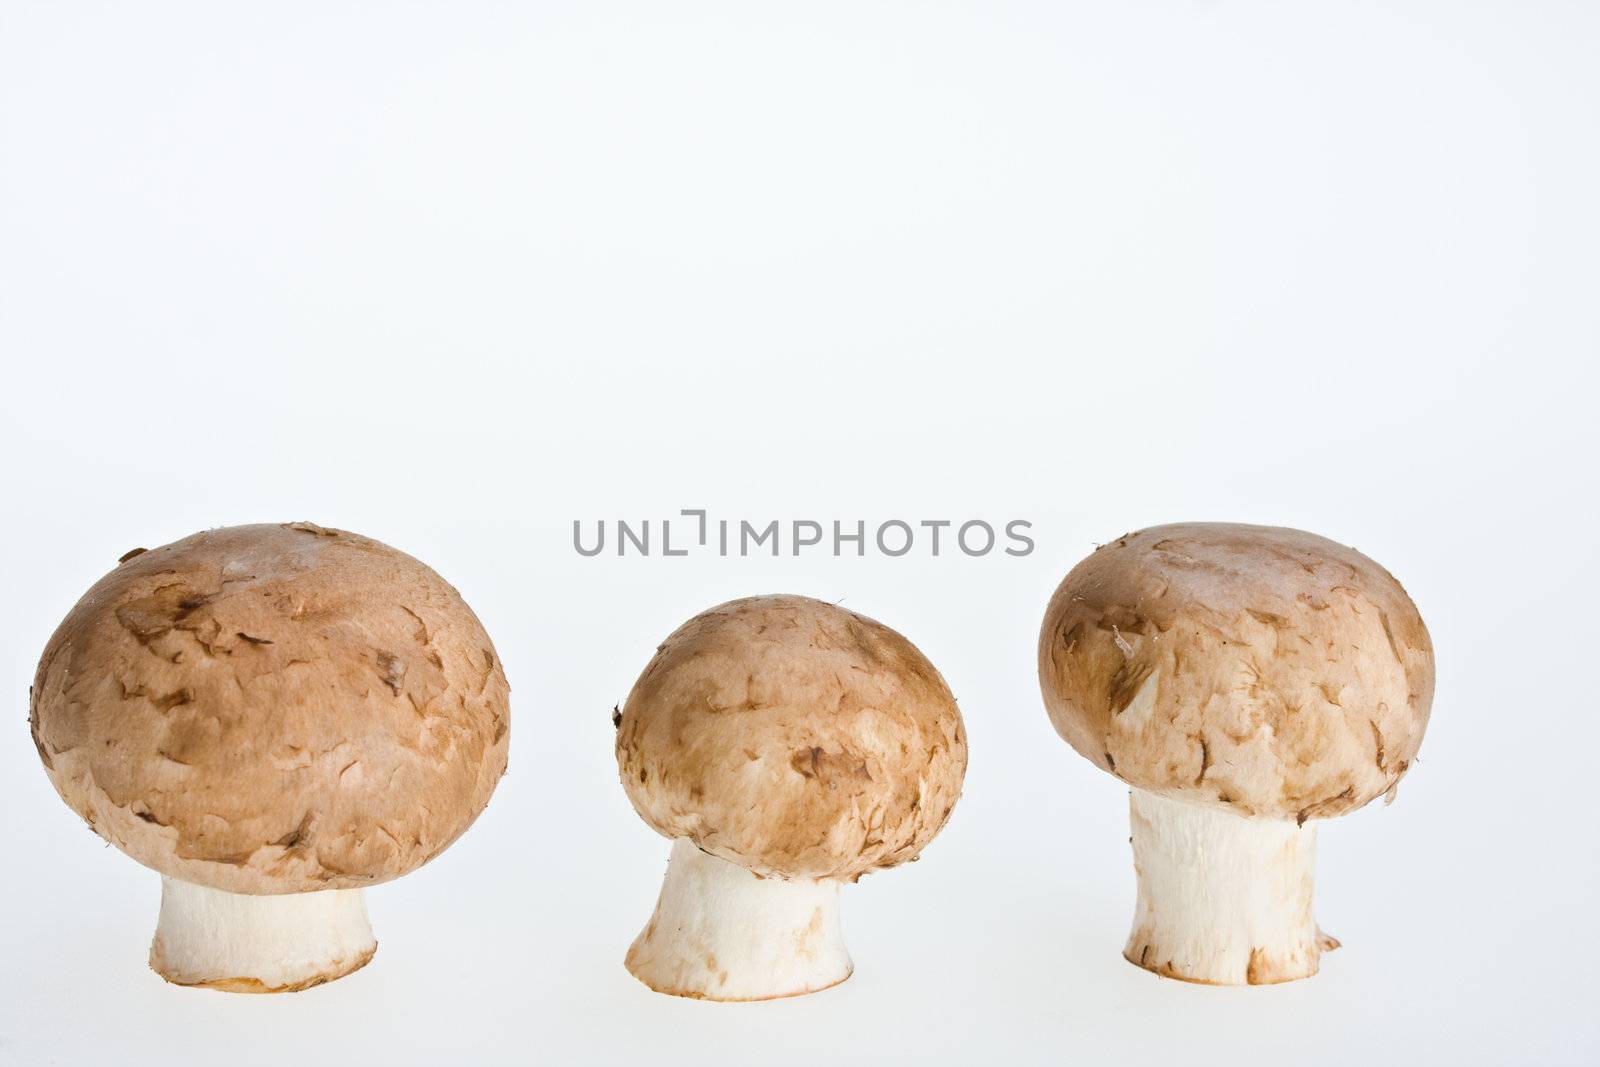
[
  {"x": 785, "y": 746},
  {"x": 1245, "y": 681},
  {"x": 273, "y": 718}
]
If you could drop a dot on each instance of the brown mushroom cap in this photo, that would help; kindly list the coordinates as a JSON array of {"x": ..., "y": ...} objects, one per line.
[
  {"x": 273, "y": 709},
  {"x": 793, "y": 737},
  {"x": 1267, "y": 670}
]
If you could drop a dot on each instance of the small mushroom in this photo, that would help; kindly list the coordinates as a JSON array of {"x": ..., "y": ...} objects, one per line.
[
  {"x": 785, "y": 746},
  {"x": 1246, "y": 681},
  {"x": 273, "y": 718}
]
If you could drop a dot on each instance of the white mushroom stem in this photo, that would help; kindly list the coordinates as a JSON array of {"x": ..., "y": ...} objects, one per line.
[
  {"x": 259, "y": 944},
  {"x": 723, "y": 933},
  {"x": 1223, "y": 899}
]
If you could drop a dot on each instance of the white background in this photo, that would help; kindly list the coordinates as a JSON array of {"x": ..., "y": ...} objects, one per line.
[{"x": 454, "y": 275}]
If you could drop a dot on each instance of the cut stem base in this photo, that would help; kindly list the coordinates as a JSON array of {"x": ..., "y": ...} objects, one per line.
[
  {"x": 1223, "y": 899},
  {"x": 721, "y": 933},
  {"x": 259, "y": 944}
]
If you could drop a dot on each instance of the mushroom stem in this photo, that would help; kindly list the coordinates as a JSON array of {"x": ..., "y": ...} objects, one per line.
[
  {"x": 259, "y": 944},
  {"x": 721, "y": 932},
  {"x": 1223, "y": 899}
]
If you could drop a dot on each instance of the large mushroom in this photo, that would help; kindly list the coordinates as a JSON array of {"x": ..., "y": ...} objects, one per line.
[
  {"x": 785, "y": 746},
  {"x": 1246, "y": 681},
  {"x": 274, "y": 718}
]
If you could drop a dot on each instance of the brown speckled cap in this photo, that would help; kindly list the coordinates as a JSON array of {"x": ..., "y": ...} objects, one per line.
[
  {"x": 1266, "y": 670},
  {"x": 273, "y": 709},
  {"x": 793, "y": 737}
]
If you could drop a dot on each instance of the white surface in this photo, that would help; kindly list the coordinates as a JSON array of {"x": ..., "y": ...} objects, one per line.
[
  {"x": 208, "y": 935},
  {"x": 724, "y": 932},
  {"x": 1221, "y": 898},
  {"x": 453, "y": 275}
]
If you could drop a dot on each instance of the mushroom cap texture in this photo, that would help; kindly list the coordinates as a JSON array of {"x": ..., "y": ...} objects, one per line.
[
  {"x": 794, "y": 738},
  {"x": 273, "y": 709},
  {"x": 1264, "y": 670}
]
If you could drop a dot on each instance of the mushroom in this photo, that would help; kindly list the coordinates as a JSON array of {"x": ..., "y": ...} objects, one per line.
[
  {"x": 1245, "y": 681},
  {"x": 785, "y": 746},
  {"x": 273, "y": 718}
]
